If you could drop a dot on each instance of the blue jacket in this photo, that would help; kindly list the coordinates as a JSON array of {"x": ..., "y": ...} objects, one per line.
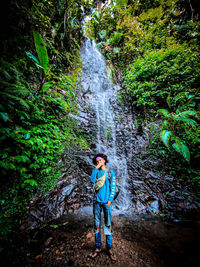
[{"x": 107, "y": 192}]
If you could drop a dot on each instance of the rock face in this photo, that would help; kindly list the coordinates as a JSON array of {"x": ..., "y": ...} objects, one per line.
[
  {"x": 116, "y": 131},
  {"x": 56, "y": 203}
]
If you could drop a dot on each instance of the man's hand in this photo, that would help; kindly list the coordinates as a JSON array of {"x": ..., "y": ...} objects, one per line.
[
  {"x": 99, "y": 165},
  {"x": 108, "y": 203}
]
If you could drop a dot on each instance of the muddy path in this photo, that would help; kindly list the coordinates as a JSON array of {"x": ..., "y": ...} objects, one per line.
[{"x": 137, "y": 241}]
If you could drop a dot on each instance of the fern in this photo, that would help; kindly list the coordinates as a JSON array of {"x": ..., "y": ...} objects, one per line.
[
  {"x": 188, "y": 121},
  {"x": 177, "y": 124},
  {"x": 16, "y": 98},
  {"x": 187, "y": 113},
  {"x": 182, "y": 149},
  {"x": 165, "y": 136}
]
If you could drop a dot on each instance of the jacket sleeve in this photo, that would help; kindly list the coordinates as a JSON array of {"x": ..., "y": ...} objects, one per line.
[
  {"x": 93, "y": 176},
  {"x": 113, "y": 186}
]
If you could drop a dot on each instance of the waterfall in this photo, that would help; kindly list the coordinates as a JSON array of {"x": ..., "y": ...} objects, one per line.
[{"x": 101, "y": 94}]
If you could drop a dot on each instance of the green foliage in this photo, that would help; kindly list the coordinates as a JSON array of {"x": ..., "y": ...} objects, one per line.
[
  {"x": 115, "y": 40},
  {"x": 161, "y": 74},
  {"x": 38, "y": 94},
  {"x": 177, "y": 127},
  {"x": 102, "y": 34},
  {"x": 108, "y": 132},
  {"x": 165, "y": 136},
  {"x": 41, "y": 51}
]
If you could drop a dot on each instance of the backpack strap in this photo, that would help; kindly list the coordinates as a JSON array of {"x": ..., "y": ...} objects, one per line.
[{"x": 109, "y": 175}]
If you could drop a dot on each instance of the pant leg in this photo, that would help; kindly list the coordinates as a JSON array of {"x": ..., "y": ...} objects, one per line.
[
  {"x": 107, "y": 219},
  {"x": 97, "y": 223}
]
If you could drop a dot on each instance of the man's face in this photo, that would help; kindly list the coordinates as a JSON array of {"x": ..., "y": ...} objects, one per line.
[{"x": 100, "y": 161}]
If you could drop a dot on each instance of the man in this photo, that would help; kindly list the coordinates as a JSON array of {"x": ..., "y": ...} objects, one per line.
[{"x": 103, "y": 200}]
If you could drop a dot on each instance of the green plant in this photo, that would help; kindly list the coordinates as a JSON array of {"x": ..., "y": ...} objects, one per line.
[
  {"x": 176, "y": 124},
  {"x": 108, "y": 133},
  {"x": 159, "y": 74}
]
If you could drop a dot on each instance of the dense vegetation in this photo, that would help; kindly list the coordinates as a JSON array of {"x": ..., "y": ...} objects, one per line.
[
  {"x": 152, "y": 49},
  {"x": 39, "y": 67}
]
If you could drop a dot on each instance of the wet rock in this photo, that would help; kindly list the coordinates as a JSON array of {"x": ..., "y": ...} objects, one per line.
[
  {"x": 153, "y": 206},
  {"x": 153, "y": 175},
  {"x": 37, "y": 214},
  {"x": 66, "y": 191},
  {"x": 169, "y": 178}
]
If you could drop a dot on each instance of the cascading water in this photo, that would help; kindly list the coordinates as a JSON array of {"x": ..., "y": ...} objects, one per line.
[{"x": 102, "y": 93}]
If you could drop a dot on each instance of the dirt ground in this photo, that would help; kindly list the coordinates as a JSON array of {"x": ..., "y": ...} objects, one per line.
[{"x": 139, "y": 241}]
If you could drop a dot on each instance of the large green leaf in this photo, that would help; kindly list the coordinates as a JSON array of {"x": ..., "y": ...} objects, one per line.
[
  {"x": 165, "y": 136},
  {"x": 182, "y": 149},
  {"x": 185, "y": 152},
  {"x": 41, "y": 50}
]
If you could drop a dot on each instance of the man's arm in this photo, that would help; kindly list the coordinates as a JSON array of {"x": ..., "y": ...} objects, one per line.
[
  {"x": 113, "y": 188},
  {"x": 94, "y": 175}
]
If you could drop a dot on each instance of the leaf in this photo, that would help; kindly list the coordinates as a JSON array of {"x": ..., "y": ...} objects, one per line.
[
  {"x": 22, "y": 101},
  {"x": 53, "y": 225},
  {"x": 185, "y": 152},
  {"x": 102, "y": 34},
  {"x": 190, "y": 122},
  {"x": 4, "y": 116},
  {"x": 169, "y": 100},
  {"x": 165, "y": 136},
  {"x": 32, "y": 182},
  {"x": 41, "y": 50},
  {"x": 46, "y": 86},
  {"x": 69, "y": 81},
  {"x": 66, "y": 86},
  {"x": 182, "y": 149},
  {"x": 116, "y": 50},
  {"x": 187, "y": 113},
  {"x": 27, "y": 136},
  {"x": 176, "y": 146},
  {"x": 164, "y": 112},
  {"x": 31, "y": 56},
  {"x": 180, "y": 96}
]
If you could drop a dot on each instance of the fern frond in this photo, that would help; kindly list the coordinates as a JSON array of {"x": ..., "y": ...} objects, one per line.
[
  {"x": 15, "y": 98},
  {"x": 187, "y": 113},
  {"x": 164, "y": 112},
  {"x": 17, "y": 88},
  {"x": 188, "y": 121},
  {"x": 182, "y": 149},
  {"x": 165, "y": 136}
]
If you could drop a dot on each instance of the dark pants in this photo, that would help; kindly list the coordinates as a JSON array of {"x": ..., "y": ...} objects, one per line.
[{"x": 97, "y": 209}]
